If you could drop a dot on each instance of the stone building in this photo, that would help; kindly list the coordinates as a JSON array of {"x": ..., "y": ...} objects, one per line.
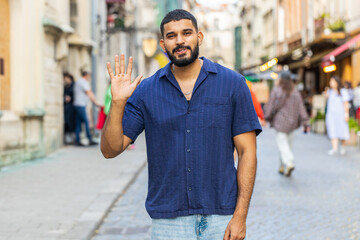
[{"x": 39, "y": 40}]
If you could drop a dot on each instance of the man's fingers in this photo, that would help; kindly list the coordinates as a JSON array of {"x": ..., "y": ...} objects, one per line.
[
  {"x": 122, "y": 63},
  {"x": 129, "y": 68},
  {"x": 111, "y": 74},
  {"x": 117, "y": 65},
  {"x": 227, "y": 234}
]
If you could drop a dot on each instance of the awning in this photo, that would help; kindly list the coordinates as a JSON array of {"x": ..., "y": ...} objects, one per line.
[{"x": 330, "y": 58}]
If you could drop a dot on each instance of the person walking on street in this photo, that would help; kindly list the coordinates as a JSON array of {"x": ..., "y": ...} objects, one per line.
[
  {"x": 337, "y": 115},
  {"x": 286, "y": 112},
  {"x": 194, "y": 113},
  {"x": 82, "y": 94},
  {"x": 69, "y": 112}
]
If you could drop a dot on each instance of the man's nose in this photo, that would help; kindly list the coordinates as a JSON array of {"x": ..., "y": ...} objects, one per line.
[{"x": 179, "y": 39}]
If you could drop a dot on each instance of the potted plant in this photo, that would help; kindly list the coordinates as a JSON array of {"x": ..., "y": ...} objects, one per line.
[
  {"x": 354, "y": 128},
  {"x": 337, "y": 26},
  {"x": 318, "y": 122}
]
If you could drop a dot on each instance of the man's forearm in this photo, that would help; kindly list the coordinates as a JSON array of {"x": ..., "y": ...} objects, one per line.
[
  {"x": 112, "y": 137},
  {"x": 246, "y": 178}
]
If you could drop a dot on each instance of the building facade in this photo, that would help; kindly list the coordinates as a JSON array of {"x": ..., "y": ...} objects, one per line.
[
  {"x": 41, "y": 40},
  {"x": 300, "y": 34}
]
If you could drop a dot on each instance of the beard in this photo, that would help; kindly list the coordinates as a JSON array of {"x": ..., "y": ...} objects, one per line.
[{"x": 182, "y": 62}]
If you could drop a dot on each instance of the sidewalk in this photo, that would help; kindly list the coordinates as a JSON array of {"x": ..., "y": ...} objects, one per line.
[
  {"x": 66, "y": 195},
  {"x": 319, "y": 201}
]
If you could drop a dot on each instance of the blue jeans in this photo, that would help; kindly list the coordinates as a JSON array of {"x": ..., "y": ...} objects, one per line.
[
  {"x": 193, "y": 227},
  {"x": 81, "y": 118}
]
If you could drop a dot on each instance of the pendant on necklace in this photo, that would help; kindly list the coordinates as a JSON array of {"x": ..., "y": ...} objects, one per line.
[{"x": 187, "y": 93}]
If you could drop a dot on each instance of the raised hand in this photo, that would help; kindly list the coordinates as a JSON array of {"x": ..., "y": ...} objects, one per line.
[{"x": 121, "y": 86}]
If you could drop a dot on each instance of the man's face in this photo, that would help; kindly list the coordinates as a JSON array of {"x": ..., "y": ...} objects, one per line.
[{"x": 181, "y": 42}]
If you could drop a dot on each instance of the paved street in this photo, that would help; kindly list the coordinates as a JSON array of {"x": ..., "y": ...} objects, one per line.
[
  {"x": 66, "y": 195},
  {"x": 320, "y": 201}
]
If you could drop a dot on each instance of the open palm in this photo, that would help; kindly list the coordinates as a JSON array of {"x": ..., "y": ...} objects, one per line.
[{"x": 121, "y": 86}]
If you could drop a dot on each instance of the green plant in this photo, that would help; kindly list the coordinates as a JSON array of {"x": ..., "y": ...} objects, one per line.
[
  {"x": 319, "y": 116},
  {"x": 337, "y": 25},
  {"x": 324, "y": 15},
  {"x": 119, "y": 23},
  {"x": 353, "y": 125}
]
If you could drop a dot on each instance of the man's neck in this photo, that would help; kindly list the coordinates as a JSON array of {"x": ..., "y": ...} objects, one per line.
[{"x": 188, "y": 72}]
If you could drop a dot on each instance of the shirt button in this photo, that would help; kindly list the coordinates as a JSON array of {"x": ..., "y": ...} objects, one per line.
[
  {"x": 188, "y": 131},
  {"x": 190, "y": 188},
  {"x": 189, "y": 169},
  {"x": 188, "y": 150}
]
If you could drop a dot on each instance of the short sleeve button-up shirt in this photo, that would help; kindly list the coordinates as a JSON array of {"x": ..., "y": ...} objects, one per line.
[{"x": 190, "y": 144}]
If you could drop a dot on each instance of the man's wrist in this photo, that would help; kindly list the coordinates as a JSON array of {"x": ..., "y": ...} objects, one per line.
[
  {"x": 119, "y": 101},
  {"x": 239, "y": 217}
]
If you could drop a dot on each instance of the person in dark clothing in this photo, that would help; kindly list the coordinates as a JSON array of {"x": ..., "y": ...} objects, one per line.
[{"x": 69, "y": 113}]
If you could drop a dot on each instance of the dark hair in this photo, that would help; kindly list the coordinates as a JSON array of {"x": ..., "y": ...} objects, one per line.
[
  {"x": 66, "y": 74},
  {"x": 286, "y": 83},
  {"x": 84, "y": 73},
  {"x": 177, "y": 15},
  {"x": 347, "y": 85},
  {"x": 338, "y": 81}
]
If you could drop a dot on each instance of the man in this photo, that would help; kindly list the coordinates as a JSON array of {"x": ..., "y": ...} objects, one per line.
[
  {"x": 194, "y": 112},
  {"x": 82, "y": 94}
]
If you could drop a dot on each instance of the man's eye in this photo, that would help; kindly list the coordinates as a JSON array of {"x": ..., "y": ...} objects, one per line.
[{"x": 187, "y": 33}]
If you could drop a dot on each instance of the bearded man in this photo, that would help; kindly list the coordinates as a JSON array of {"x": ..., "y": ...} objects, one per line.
[{"x": 194, "y": 112}]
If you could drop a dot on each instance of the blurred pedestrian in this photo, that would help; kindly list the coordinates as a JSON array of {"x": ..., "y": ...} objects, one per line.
[
  {"x": 357, "y": 101},
  {"x": 349, "y": 89},
  {"x": 258, "y": 109},
  {"x": 194, "y": 113},
  {"x": 286, "y": 112},
  {"x": 337, "y": 115},
  {"x": 82, "y": 94},
  {"x": 69, "y": 112}
]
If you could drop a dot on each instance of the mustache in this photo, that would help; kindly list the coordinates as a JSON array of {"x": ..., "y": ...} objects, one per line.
[{"x": 179, "y": 47}]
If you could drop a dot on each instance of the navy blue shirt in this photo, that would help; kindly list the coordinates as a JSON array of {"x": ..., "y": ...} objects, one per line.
[{"x": 190, "y": 145}]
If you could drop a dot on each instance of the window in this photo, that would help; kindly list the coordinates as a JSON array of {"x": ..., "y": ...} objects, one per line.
[{"x": 73, "y": 14}]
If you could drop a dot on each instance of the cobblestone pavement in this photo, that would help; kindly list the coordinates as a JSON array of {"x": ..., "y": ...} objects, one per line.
[
  {"x": 319, "y": 201},
  {"x": 65, "y": 195}
]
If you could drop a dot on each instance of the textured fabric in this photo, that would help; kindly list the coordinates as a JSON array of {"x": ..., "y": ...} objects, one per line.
[
  {"x": 81, "y": 99},
  {"x": 190, "y": 145},
  {"x": 336, "y": 126},
  {"x": 284, "y": 142},
  {"x": 290, "y": 111},
  {"x": 194, "y": 227}
]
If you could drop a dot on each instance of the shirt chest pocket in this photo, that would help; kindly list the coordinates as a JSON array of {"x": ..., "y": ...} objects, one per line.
[{"x": 215, "y": 112}]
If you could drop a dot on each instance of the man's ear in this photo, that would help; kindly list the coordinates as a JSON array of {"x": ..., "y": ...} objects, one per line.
[
  {"x": 162, "y": 44},
  {"x": 200, "y": 36}
]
